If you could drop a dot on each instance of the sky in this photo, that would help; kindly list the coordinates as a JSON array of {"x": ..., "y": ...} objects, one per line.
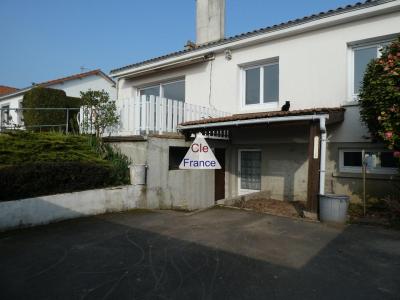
[{"x": 42, "y": 40}]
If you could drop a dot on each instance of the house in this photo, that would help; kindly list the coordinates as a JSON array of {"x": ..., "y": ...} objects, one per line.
[
  {"x": 232, "y": 90},
  {"x": 4, "y": 90},
  {"x": 72, "y": 85}
]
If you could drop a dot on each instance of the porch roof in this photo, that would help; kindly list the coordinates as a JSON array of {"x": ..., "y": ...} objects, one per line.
[{"x": 334, "y": 114}]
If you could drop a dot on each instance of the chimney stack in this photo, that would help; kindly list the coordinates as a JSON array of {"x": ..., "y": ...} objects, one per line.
[{"x": 210, "y": 21}]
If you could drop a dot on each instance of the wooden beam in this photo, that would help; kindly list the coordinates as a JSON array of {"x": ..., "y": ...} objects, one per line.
[{"x": 313, "y": 167}]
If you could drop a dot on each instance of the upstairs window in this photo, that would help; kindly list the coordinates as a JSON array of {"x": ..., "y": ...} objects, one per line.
[
  {"x": 171, "y": 90},
  {"x": 261, "y": 85},
  {"x": 361, "y": 57}
]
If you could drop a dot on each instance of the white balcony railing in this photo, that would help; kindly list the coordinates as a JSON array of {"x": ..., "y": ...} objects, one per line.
[{"x": 151, "y": 114}]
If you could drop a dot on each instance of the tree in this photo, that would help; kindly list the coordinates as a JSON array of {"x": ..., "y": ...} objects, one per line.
[
  {"x": 99, "y": 112},
  {"x": 380, "y": 97}
]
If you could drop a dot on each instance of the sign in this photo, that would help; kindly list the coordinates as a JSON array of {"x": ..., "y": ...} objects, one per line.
[{"x": 199, "y": 156}]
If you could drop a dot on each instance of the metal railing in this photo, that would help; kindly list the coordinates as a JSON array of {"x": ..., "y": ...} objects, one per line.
[
  {"x": 12, "y": 118},
  {"x": 138, "y": 116}
]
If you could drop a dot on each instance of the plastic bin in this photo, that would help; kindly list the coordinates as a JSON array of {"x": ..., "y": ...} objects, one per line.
[{"x": 333, "y": 208}]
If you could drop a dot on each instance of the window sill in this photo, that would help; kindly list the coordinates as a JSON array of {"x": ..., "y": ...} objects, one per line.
[
  {"x": 260, "y": 107},
  {"x": 394, "y": 177},
  {"x": 351, "y": 103}
]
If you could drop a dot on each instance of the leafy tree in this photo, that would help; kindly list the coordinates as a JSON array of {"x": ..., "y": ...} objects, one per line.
[
  {"x": 380, "y": 97},
  {"x": 99, "y": 112}
]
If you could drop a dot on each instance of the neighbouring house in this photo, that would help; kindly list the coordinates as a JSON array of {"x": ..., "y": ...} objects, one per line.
[
  {"x": 72, "y": 85},
  {"x": 232, "y": 90},
  {"x": 4, "y": 90}
]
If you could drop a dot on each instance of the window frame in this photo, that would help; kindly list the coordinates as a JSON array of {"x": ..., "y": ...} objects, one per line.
[
  {"x": 261, "y": 104},
  {"x": 160, "y": 87},
  {"x": 358, "y": 170},
  {"x": 3, "y": 106},
  {"x": 352, "y": 47}
]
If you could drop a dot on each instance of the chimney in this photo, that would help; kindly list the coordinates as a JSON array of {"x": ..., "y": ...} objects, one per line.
[{"x": 210, "y": 21}]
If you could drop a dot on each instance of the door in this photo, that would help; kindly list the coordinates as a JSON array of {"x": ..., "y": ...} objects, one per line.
[
  {"x": 219, "y": 182},
  {"x": 249, "y": 166}
]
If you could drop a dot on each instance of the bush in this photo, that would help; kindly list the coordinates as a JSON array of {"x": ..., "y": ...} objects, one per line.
[
  {"x": 380, "y": 97},
  {"x": 20, "y": 147},
  {"x": 44, "y": 178},
  {"x": 34, "y": 164},
  {"x": 114, "y": 156},
  {"x": 49, "y": 120}
]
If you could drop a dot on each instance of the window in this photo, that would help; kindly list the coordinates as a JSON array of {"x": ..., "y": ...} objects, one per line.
[
  {"x": 376, "y": 161},
  {"x": 261, "y": 85},
  {"x": 176, "y": 155},
  {"x": 361, "y": 57},
  {"x": 171, "y": 90},
  {"x": 5, "y": 115}
]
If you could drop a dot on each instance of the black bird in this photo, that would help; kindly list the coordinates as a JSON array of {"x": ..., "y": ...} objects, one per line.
[{"x": 286, "y": 106}]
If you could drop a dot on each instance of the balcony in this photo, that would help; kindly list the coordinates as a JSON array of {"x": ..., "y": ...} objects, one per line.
[{"x": 155, "y": 115}]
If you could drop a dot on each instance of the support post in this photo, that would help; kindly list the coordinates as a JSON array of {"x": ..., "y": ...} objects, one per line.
[
  {"x": 314, "y": 157},
  {"x": 66, "y": 125}
]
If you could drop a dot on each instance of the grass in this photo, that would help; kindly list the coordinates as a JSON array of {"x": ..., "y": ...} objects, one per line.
[{"x": 19, "y": 147}]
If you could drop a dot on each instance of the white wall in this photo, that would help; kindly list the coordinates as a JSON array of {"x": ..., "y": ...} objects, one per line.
[
  {"x": 94, "y": 82},
  {"x": 47, "y": 209},
  {"x": 313, "y": 67}
]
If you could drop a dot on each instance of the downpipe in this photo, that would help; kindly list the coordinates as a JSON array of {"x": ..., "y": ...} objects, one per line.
[{"x": 322, "y": 169}]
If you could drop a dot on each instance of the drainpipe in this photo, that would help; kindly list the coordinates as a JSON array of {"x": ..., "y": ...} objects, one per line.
[{"x": 322, "y": 126}]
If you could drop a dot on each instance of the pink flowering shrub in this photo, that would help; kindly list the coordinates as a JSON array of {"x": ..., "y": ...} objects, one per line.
[{"x": 380, "y": 97}]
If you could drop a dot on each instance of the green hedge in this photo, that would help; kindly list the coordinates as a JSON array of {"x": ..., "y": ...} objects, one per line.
[
  {"x": 49, "y": 120},
  {"x": 19, "y": 147},
  {"x": 34, "y": 164},
  {"x": 44, "y": 178}
]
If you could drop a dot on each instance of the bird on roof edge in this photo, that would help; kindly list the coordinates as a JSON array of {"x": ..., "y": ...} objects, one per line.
[{"x": 286, "y": 106}]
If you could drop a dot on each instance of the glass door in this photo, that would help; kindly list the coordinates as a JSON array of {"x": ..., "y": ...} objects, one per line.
[{"x": 249, "y": 171}]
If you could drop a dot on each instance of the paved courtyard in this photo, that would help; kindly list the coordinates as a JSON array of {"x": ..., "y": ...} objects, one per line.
[{"x": 214, "y": 254}]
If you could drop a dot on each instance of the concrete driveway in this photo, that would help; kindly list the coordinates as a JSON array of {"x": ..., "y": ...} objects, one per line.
[{"x": 215, "y": 254}]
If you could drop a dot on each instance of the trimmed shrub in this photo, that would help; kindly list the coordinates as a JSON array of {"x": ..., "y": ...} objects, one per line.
[
  {"x": 36, "y": 164},
  {"x": 44, "y": 178},
  {"x": 20, "y": 147},
  {"x": 49, "y": 120}
]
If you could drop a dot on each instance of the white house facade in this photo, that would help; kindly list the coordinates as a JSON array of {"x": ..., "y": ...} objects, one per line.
[
  {"x": 236, "y": 87},
  {"x": 71, "y": 85}
]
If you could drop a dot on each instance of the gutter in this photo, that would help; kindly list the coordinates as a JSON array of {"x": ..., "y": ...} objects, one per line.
[
  {"x": 157, "y": 68},
  {"x": 322, "y": 124}
]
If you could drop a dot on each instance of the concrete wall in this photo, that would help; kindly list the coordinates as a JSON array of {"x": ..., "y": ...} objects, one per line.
[
  {"x": 46, "y": 209},
  {"x": 378, "y": 186},
  {"x": 166, "y": 189},
  {"x": 284, "y": 160}
]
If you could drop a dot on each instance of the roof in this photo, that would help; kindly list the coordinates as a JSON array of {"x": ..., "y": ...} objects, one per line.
[
  {"x": 263, "y": 115},
  {"x": 76, "y": 76},
  {"x": 291, "y": 23},
  {"x": 7, "y": 90},
  {"x": 60, "y": 80}
]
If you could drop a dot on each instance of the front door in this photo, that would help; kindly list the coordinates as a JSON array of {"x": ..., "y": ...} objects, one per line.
[
  {"x": 249, "y": 171},
  {"x": 220, "y": 174}
]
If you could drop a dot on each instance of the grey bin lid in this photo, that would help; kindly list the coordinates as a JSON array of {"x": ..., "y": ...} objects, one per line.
[{"x": 335, "y": 196}]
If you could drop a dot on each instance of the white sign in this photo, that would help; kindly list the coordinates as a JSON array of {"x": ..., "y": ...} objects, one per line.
[{"x": 199, "y": 156}]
